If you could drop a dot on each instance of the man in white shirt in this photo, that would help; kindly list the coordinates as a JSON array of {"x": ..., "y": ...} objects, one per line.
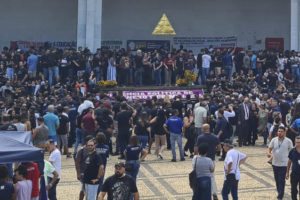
[
  {"x": 234, "y": 159},
  {"x": 55, "y": 160},
  {"x": 200, "y": 117},
  {"x": 279, "y": 148},
  {"x": 206, "y": 59}
]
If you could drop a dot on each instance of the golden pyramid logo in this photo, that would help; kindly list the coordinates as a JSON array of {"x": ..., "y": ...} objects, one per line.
[{"x": 164, "y": 27}]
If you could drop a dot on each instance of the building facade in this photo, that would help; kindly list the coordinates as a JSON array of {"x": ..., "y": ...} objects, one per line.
[{"x": 88, "y": 22}]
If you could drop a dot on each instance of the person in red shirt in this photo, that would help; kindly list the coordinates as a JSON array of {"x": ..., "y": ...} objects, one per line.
[
  {"x": 89, "y": 124},
  {"x": 33, "y": 174}
]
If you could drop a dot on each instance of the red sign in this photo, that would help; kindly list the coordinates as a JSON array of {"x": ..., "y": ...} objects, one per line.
[{"x": 274, "y": 44}]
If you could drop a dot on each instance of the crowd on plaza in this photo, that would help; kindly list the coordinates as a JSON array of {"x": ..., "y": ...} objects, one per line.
[{"x": 52, "y": 93}]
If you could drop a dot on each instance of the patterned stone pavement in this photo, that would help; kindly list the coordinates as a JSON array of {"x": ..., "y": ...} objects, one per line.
[{"x": 166, "y": 180}]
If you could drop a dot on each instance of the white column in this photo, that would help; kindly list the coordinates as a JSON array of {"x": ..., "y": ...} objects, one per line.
[
  {"x": 98, "y": 25},
  {"x": 81, "y": 23},
  {"x": 90, "y": 24},
  {"x": 295, "y": 25}
]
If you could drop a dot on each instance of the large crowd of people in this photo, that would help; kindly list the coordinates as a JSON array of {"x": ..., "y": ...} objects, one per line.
[{"x": 52, "y": 93}]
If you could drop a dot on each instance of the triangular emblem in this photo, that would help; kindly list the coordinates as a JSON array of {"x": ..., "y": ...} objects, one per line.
[{"x": 164, "y": 27}]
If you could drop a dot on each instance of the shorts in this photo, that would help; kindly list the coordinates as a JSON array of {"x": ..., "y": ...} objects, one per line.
[
  {"x": 62, "y": 140},
  {"x": 32, "y": 73},
  {"x": 53, "y": 137}
]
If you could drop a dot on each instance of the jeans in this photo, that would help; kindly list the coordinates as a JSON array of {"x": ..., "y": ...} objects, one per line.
[
  {"x": 10, "y": 73},
  {"x": 266, "y": 135},
  {"x": 138, "y": 76},
  {"x": 158, "y": 77},
  {"x": 135, "y": 169},
  {"x": 230, "y": 188},
  {"x": 143, "y": 140},
  {"x": 91, "y": 191},
  {"x": 176, "y": 137},
  {"x": 97, "y": 73},
  {"x": 203, "y": 189},
  {"x": 123, "y": 142},
  {"x": 79, "y": 139},
  {"x": 296, "y": 73},
  {"x": 228, "y": 70},
  {"x": 279, "y": 175},
  {"x": 45, "y": 73},
  {"x": 233, "y": 131},
  {"x": 53, "y": 71},
  {"x": 295, "y": 182},
  {"x": 198, "y": 131},
  {"x": 205, "y": 72},
  {"x": 52, "y": 190}
]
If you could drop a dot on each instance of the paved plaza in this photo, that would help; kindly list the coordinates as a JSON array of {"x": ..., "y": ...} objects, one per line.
[{"x": 168, "y": 180}]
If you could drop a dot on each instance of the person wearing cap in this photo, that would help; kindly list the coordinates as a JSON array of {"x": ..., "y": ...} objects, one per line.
[
  {"x": 234, "y": 159},
  {"x": 119, "y": 185},
  {"x": 279, "y": 149}
]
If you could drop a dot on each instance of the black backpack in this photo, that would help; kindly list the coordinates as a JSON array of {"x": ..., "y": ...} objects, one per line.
[{"x": 275, "y": 129}]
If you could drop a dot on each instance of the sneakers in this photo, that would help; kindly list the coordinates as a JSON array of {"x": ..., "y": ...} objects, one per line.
[
  {"x": 215, "y": 197},
  {"x": 192, "y": 156},
  {"x": 160, "y": 157},
  {"x": 182, "y": 159},
  {"x": 173, "y": 160}
]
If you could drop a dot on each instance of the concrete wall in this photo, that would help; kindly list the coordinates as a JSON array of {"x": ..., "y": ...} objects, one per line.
[
  {"x": 56, "y": 20},
  {"x": 248, "y": 20},
  {"x": 37, "y": 20}
]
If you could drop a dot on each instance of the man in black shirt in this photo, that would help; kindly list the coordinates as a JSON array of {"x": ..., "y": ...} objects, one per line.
[
  {"x": 177, "y": 104},
  {"x": 21, "y": 73},
  {"x": 7, "y": 125},
  {"x": 119, "y": 186},
  {"x": 93, "y": 172},
  {"x": 63, "y": 131},
  {"x": 214, "y": 145},
  {"x": 124, "y": 119}
]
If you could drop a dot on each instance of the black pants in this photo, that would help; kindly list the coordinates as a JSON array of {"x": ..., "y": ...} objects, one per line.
[
  {"x": 124, "y": 77},
  {"x": 52, "y": 190},
  {"x": 189, "y": 145},
  {"x": 252, "y": 136},
  {"x": 244, "y": 132},
  {"x": 279, "y": 175},
  {"x": 295, "y": 183}
]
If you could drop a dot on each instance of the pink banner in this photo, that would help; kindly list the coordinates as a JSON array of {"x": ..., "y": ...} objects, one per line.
[{"x": 133, "y": 95}]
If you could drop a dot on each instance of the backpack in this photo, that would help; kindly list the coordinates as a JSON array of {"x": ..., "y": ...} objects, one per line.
[{"x": 275, "y": 129}]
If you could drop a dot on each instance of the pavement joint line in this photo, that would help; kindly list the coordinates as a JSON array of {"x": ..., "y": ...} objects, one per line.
[
  {"x": 268, "y": 176},
  {"x": 154, "y": 181},
  {"x": 149, "y": 184}
]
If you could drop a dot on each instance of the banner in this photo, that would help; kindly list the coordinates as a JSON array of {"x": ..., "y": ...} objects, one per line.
[
  {"x": 149, "y": 45},
  {"x": 112, "y": 44},
  {"x": 274, "y": 44},
  {"x": 26, "y": 45},
  {"x": 134, "y": 95},
  {"x": 197, "y": 43}
]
